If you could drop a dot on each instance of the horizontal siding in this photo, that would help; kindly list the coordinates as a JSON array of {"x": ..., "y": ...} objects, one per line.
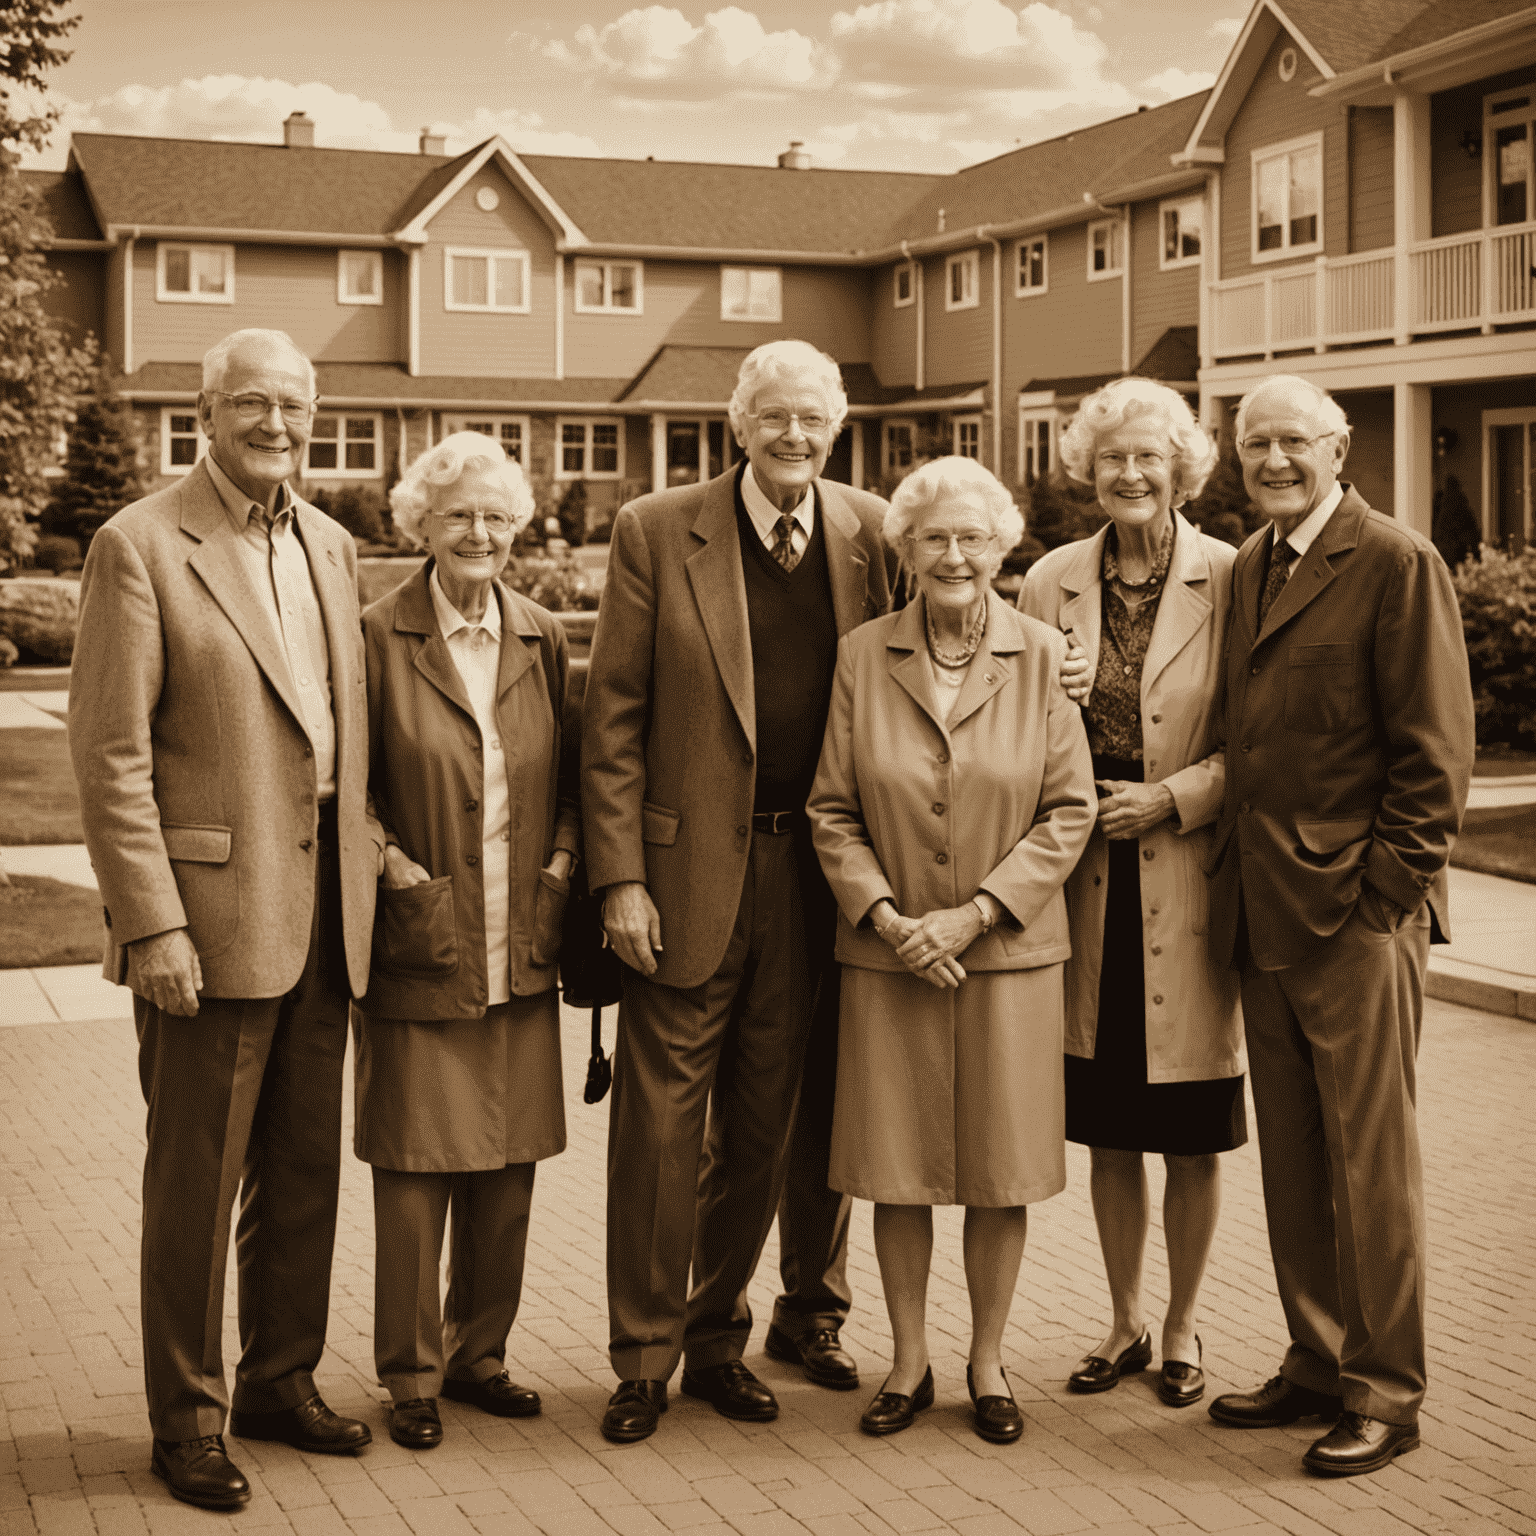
[
  {"x": 1457, "y": 181},
  {"x": 1159, "y": 300},
  {"x": 80, "y": 301},
  {"x": 957, "y": 346},
  {"x": 1369, "y": 467},
  {"x": 1072, "y": 329},
  {"x": 1370, "y": 178},
  {"x": 892, "y": 331},
  {"x": 113, "y": 319}
]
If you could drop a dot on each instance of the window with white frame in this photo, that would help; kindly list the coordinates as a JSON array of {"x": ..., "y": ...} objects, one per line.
[
  {"x": 195, "y": 274},
  {"x": 510, "y": 431},
  {"x": 182, "y": 442},
  {"x": 609, "y": 286},
  {"x": 904, "y": 292},
  {"x": 1106, "y": 249},
  {"x": 1288, "y": 198},
  {"x": 751, "y": 293},
  {"x": 346, "y": 447},
  {"x": 962, "y": 281},
  {"x": 898, "y": 440},
  {"x": 1181, "y": 224},
  {"x": 967, "y": 436},
  {"x": 359, "y": 277},
  {"x": 486, "y": 281},
  {"x": 1032, "y": 272},
  {"x": 590, "y": 448},
  {"x": 1037, "y": 442},
  {"x": 1509, "y": 127}
]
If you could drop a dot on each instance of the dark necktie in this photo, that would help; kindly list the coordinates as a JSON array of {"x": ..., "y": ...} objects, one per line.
[
  {"x": 1274, "y": 584},
  {"x": 784, "y": 547}
]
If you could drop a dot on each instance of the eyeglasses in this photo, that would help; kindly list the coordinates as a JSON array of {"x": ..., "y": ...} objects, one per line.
[
  {"x": 1147, "y": 463},
  {"x": 495, "y": 523},
  {"x": 250, "y": 408},
  {"x": 1291, "y": 447},
  {"x": 778, "y": 421},
  {"x": 936, "y": 545}
]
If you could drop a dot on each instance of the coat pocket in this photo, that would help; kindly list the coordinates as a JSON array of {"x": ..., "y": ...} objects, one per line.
[
  {"x": 1197, "y": 884},
  {"x": 414, "y": 933},
  {"x": 658, "y": 824},
  {"x": 1334, "y": 844},
  {"x": 548, "y": 917},
  {"x": 1320, "y": 689},
  {"x": 208, "y": 886}
]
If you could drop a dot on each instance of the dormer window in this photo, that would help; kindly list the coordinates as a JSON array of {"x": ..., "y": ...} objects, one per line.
[
  {"x": 609, "y": 287},
  {"x": 962, "y": 281},
  {"x": 481, "y": 280},
  {"x": 195, "y": 274},
  {"x": 1106, "y": 249},
  {"x": 1288, "y": 199},
  {"x": 359, "y": 277}
]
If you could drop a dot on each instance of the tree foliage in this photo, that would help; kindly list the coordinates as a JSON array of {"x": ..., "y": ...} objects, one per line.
[
  {"x": 1497, "y": 592},
  {"x": 101, "y": 467}
]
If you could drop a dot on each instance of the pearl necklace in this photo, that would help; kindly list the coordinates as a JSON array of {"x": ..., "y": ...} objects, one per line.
[{"x": 972, "y": 640}]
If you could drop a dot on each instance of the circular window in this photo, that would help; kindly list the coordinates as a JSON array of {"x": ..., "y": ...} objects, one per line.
[
  {"x": 486, "y": 198},
  {"x": 1288, "y": 64}
]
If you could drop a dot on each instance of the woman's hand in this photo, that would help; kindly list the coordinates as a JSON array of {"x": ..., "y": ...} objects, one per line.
[
  {"x": 1074, "y": 678},
  {"x": 400, "y": 870},
  {"x": 896, "y": 930},
  {"x": 934, "y": 942},
  {"x": 561, "y": 863},
  {"x": 1132, "y": 810}
]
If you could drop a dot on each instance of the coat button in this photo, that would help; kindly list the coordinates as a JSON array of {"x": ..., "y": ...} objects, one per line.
[
  {"x": 309, "y": 752},
  {"x": 1245, "y": 807},
  {"x": 1157, "y": 949},
  {"x": 1146, "y": 853},
  {"x": 1157, "y": 719},
  {"x": 987, "y": 678},
  {"x": 471, "y": 805},
  {"x": 1158, "y": 998},
  {"x": 943, "y": 757},
  {"x": 472, "y": 859},
  {"x": 1247, "y": 747},
  {"x": 746, "y": 758},
  {"x": 942, "y": 858},
  {"x": 938, "y": 807},
  {"x": 1097, "y": 880},
  {"x": 741, "y": 831},
  {"x": 1255, "y": 671},
  {"x": 307, "y": 844}
]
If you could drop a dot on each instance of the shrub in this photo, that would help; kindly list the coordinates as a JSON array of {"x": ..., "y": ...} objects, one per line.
[
  {"x": 1223, "y": 509},
  {"x": 1498, "y": 615},
  {"x": 8, "y": 653},
  {"x": 555, "y": 582},
  {"x": 1058, "y": 510},
  {"x": 101, "y": 470},
  {"x": 358, "y": 508},
  {"x": 54, "y": 552},
  {"x": 39, "y": 617}
]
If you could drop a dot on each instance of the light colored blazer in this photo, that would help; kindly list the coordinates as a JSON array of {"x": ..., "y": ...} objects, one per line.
[
  {"x": 197, "y": 779},
  {"x": 926, "y": 814},
  {"x": 1193, "y": 1021},
  {"x": 669, "y": 733}
]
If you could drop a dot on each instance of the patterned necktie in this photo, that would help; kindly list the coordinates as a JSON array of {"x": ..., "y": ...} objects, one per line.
[
  {"x": 1274, "y": 583},
  {"x": 784, "y": 547}
]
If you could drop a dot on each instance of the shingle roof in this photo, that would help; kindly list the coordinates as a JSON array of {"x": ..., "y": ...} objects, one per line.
[
  {"x": 1174, "y": 355},
  {"x": 65, "y": 203},
  {"x": 687, "y": 373},
  {"x": 863, "y": 387},
  {"x": 1361, "y": 32}
]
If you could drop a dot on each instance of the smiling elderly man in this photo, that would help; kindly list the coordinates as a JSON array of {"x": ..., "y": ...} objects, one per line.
[
  {"x": 1349, "y": 743},
  {"x": 706, "y": 703},
  {"x": 218, "y": 725}
]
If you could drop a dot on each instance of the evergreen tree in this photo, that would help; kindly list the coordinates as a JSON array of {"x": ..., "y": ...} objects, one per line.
[{"x": 101, "y": 468}]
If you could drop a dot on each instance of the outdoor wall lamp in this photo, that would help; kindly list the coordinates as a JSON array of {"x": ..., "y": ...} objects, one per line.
[
  {"x": 1445, "y": 442},
  {"x": 1472, "y": 143}
]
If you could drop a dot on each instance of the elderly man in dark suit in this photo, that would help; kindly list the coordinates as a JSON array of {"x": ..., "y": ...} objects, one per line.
[
  {"x": 1349, "y": 744},
  {"x": 218, "y": 725},
  {"x": 706, "y": 703}
]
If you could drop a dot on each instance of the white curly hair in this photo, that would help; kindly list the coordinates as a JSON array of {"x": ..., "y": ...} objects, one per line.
[
  {"x": 778, "y": 360},
  {"x": 1125, "y": 400},
  {"x": 442, "y": 467},
  {"x": 954, "y": 478}
]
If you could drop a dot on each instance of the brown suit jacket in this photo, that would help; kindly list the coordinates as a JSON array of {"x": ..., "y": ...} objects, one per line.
[
  {"x": 197, "y": 780},
  {"x": 669, "y": 732},
  {"x": 1349, "y": 737}
]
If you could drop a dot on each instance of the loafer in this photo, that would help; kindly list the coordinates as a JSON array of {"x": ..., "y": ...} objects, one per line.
[
  {"x": 891, "y": 1411},
  {"x": 1179, "y": 1384},
  {"x": 200, "y": 1472},
  {"x": 309, "y": 1427},
  {"x": 634, "y": 1411},
  {"x": 497, "y": 1394},
  {"x": 1277, "y": 1402},
  {"x": 996, "y": 1418},
  {"x": 1359, "y": 1444},
  {"x": 733, "y": 1390},
  {"x": 415, "y": 1424},
  {"x": 1096, "y": 1374},
  {"x": 821, "y": 1352}
]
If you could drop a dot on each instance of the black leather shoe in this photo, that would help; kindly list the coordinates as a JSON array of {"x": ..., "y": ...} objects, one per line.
[
  {"x": 1181, "y": 1383},
  {"x": 821, "y": 1352},
  {"x": 309, "y": 1427},
  {"x": 200, "y": 1472},
  {"x": 734, "y": 1391},
  {"x": 891, "y": 1411},
  {"x": 499, "y": 1395},
  {"x": 633, "y": 1411},
  {"x": 1277, "y": 1402},
  {"x": 997, "y": 1418},
  {"x": 415, "y": 1424},
  {"x": 1096, "y": 1374},
  {"x": 1358, "y": 1444}
]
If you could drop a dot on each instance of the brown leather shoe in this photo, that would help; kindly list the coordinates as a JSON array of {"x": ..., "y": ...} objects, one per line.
[
  {"x": 200, "y": 1472},
  {"x": 309, "y": 1427},
  {"x": 415, "y": 1424},
  {"x": 820, "y": 1351},
  {"x": 891, "y": 1411},
  {"x": 1179, "y": 1383},
  {"x": 730, "y": 1388},
  {"x": 1277, "y": 1402},
  {"x": 1096, "y": 1374},
  {"x": 634, "y": 1411},
  {"x": 499, "y": 1395},
  {"x": 1358, "y": 1444}
]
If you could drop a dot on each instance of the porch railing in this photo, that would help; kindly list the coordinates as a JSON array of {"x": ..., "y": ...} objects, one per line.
[
  {"x": 1484, "y": 278},
  {"x": 1316, "y": 305}
]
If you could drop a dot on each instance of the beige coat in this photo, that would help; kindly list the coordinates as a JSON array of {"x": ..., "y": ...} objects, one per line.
[
  {"x": 926, "y": 814},
  {"x": 197, "y": 779},
  {"x": 1194, "y": 1025}
]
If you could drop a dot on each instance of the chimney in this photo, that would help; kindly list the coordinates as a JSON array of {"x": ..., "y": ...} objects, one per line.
[
  {"x": 1142, "y": 107},
  {"x": 298, "y": 131},
  {"x": 433, "y": 143},
  {"x": 795, "y": 158}
]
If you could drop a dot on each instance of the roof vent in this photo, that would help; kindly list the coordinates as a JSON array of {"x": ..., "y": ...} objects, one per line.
[
  {"x": 433, "y": 143},
  {"x": 298, "y": 131},
  {"x": 941, "y": 220},
  {"x": 1142, "y": 107},
  {"x": 795, "y": 158}
]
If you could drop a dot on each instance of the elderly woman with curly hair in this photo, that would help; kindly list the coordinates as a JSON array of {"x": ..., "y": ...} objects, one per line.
[
  {"x": 458, "y": 1038},
  {"x": 954, "y": 795},
  {"x": 1154, "y": 1057}
]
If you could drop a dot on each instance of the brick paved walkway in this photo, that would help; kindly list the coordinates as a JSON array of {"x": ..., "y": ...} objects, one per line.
[{"x": 76, "y": 1458}]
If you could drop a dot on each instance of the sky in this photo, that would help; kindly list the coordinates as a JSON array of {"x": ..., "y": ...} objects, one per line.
[{"x": 919, "y": 85}]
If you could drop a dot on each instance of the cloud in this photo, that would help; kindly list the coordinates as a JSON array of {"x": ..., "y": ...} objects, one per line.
[
  {"x": 1174, "y": 82},
  {"x": 1226, "y": 28}
]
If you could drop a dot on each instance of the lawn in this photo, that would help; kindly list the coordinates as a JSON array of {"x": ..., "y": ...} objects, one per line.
[
  {"x": 38, "y": 802},
  {"x": 46, "y": 922},
  {"x": 1499, "y": 841}
]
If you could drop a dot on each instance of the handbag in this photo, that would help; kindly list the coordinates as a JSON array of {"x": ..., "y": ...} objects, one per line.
[{"x": 591, "y": 975}]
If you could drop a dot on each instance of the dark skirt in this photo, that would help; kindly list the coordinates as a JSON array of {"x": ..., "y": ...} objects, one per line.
[{"x": 1110, "y": 1103}]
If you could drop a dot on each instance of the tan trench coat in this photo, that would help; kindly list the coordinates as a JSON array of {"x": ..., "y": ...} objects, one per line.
[{"x": 1194, "y": 1023}]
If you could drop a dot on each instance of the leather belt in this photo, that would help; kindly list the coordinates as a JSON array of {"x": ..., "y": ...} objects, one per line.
[
  {"x": 325, "y": 829},
  {"x": 777, "y": 823}
]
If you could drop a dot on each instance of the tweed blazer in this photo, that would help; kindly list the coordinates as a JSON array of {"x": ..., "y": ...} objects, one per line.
[
  {"x": 924, "y": 813},
  {"x": 1194, "y": 1026},
  {"x": 197, "y": 778},
  {"x": 1349, "y": 737},
  {"x": 669, "y": 730}
]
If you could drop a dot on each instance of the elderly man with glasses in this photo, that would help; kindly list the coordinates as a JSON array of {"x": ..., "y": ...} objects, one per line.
[
  {"x": 218, "y": 726},
  {"x": 707, "y": 700}
]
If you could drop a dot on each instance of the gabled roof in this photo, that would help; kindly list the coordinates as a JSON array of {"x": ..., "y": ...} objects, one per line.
[
  {"x": 687, "y": 373},
  {"x": 65, "y": 202},
  {"x": 1174, "y": 356}
]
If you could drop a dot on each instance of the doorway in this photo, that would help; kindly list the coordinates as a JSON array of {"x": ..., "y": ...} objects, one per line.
[{"x": 1508, "y": 468}]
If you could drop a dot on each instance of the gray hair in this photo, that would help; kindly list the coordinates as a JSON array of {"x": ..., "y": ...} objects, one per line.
[
  {"x": 1329, "y": 412},
  {"x": 952, "y": 478},
  {"x": 442, "y": 467},
  {"x": 1135, "y": 399},
  {"x": 776, "y": 360},
  {"x": 216, "y": 358}
]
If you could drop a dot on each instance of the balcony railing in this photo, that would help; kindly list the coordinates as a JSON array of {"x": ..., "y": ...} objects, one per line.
[{"x": 1484, "y": 278}]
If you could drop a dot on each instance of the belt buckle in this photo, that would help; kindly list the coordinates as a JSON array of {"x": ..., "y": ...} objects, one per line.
[{"x": 783, "y": 821}]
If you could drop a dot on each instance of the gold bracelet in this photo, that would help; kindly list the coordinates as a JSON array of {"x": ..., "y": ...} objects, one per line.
[{"x": 988, "y": 922}]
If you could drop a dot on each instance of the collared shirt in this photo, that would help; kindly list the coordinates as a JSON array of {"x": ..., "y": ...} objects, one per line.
[
  {"x": 275, "y": 559},
  {"x": 1302, "y": 537},
  {"x": 764, "y": 516},
  {"x": 476, "y": 652}
]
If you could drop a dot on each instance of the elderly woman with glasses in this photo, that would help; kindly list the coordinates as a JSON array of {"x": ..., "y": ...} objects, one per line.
[
  {"x": 954, "y": 795},
  {"x": 458, "y": 1038},
  {"x": 1154, "y": 1034}
]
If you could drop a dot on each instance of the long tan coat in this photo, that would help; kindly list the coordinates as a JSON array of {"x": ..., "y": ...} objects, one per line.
[
  {"x": 197, "y": 779},
  {"x": 1193, "y": 1021}
]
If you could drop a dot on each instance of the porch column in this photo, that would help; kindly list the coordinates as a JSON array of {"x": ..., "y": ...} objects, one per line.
[
  {"x": 1411, "y": 218},
  {"x": 658, "y": 452},
  {"x": 856, "y": 472},
  {"x": 1413, "y": 476}
]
